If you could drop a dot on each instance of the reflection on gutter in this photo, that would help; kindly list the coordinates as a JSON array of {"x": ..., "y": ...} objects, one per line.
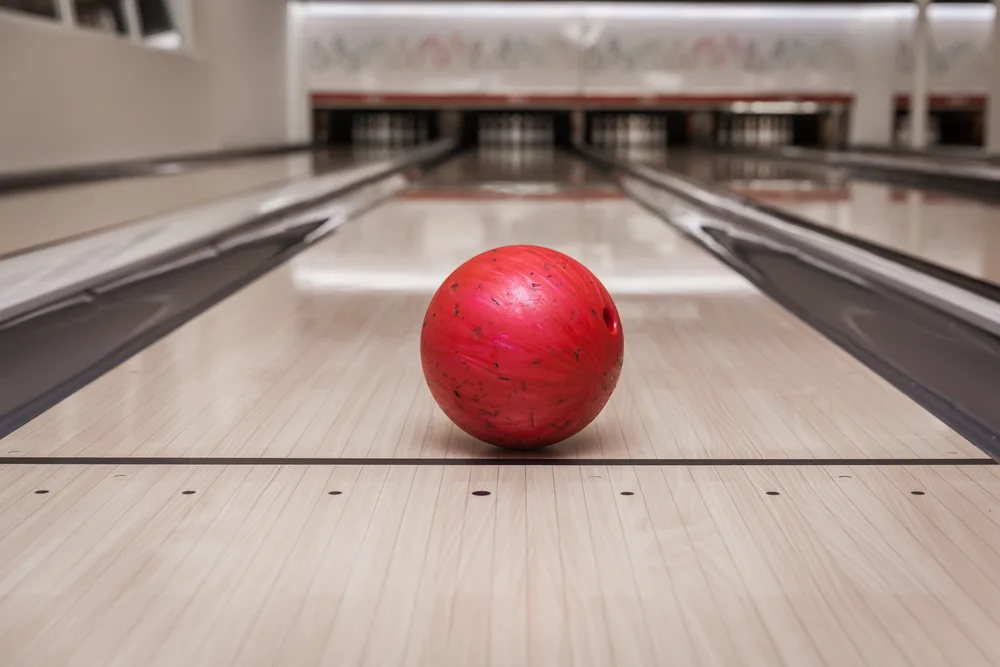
[{"x": 324, "y": 280}]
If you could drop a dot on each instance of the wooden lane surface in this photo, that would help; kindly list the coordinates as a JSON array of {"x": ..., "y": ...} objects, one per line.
[
  {"x": 319, "y": 358},
  {"x": 117, "y": 565}
]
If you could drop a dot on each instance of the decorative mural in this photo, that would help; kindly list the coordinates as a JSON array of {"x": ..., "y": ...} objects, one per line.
[
  {"x": 431, "y": 53},
  {"x": 512, "y": 53},
  {"x": 719, "y": 52}
]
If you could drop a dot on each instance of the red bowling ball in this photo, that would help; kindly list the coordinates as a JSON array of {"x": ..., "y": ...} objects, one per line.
[{"x": 521, "y": 346}]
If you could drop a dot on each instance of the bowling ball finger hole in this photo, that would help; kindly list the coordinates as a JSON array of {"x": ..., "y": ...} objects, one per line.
[{"x": 610, "y": 320}]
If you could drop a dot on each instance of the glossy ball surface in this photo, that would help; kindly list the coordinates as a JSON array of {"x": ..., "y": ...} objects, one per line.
[{"x": 521, "y": 346}]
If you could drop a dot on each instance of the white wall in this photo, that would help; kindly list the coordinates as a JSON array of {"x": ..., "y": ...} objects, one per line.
[
  {"x": 76, "y": 97},
  {"x": 242, "y": 43}
]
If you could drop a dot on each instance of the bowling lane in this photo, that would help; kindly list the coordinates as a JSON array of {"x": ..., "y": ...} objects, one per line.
[
  {"x": 800, "y": 566},
  {"x": 319, "y": 358},
  {"x": 960, "y": 234},
  {"x": 45, "y": 216},
  {"x": 529, "y": 171}
]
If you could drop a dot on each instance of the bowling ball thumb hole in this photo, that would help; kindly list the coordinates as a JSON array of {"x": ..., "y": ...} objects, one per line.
[{"x": 611, "y": 319}]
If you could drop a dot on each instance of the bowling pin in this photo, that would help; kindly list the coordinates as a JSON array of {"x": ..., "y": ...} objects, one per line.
[
  {"x": 487, "y": 124},
  {"x": 400, "y": 129}
]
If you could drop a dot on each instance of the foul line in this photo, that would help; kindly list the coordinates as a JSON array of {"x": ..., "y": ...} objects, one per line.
[{"x": 511, "y": 461}]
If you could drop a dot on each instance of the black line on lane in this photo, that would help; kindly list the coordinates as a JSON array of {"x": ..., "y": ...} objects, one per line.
[{"x": 512, "y": 461}]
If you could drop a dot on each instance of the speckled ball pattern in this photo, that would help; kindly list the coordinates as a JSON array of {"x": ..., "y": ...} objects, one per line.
[{"x": 522, "y": 346}]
